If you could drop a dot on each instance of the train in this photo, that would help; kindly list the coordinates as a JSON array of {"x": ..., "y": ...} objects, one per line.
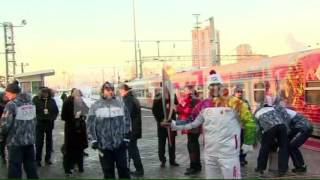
[{"x": 294, "y": 78}]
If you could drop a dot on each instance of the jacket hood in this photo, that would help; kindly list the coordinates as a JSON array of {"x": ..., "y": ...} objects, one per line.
[{"x": 23, "y": 97}]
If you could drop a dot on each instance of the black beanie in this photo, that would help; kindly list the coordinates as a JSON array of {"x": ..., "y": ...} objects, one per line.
[{"x": 13, "y": 87}]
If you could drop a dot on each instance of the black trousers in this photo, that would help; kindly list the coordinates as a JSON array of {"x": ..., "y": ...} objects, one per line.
[
  {"x": 297, "y": 139},
  {"x": 135, "y": 155},
  {"x": 279, "y": 134},
  {"x": 109, "y": 158},
  {"x": 22, "y": 155},
  {"x": 41, "y": 132},
  {"x": 242, "y": 156},
  {"x": 2, "y": 151},
  {"x": 194, "y": 151},
  {"x": 72, "y": 158},
  {"x": 162, "y": 138}
]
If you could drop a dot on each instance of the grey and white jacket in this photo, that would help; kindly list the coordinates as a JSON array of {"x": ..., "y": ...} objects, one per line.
[
  {"x": 108, "y": 123},
  {"x": 270, "y": 116},
  {"x": 298, "y": 122},
  {"x": 17, "y": 124}
]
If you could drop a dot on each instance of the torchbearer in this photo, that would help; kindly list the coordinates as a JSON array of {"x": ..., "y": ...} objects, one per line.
[{"x": 221, "y": 117}]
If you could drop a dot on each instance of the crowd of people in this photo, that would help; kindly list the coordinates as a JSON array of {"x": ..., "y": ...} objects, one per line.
[{"x": 112, "y": 126}]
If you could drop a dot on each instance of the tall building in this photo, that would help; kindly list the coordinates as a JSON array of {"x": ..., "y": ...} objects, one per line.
[
  {"x": 244, "y": 52},
  {"x": 205, "y": 46}
]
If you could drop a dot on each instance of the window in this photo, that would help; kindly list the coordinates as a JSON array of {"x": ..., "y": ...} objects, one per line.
[
  {"x": 26, "y": 87},
  {"x": 312, "y": 92},
  {"x": 259, "y": 92},
  {"x": 35, "y": 85}
]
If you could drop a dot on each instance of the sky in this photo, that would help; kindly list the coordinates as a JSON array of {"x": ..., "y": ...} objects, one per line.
[{"x": 85, "y": 39}]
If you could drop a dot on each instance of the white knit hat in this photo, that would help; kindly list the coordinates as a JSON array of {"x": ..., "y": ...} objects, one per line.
[{"x": 214, "y": 79}]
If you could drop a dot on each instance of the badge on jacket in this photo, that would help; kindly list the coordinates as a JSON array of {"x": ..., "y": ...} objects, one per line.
[{"x": 45, "y": 111}]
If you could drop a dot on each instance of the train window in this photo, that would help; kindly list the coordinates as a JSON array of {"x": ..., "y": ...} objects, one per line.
[
  {"x": 259, "y": 92},
  {"x": 313, "y": 97},
  {"x": 313, "y": 84},
  {"x": 259, "y": 86},
  {"x": 312, "y": 92},
  {"x": 258, "y": 96},
  {"x": 148, "y": 93},
  {"x": 139, "y": 93}
]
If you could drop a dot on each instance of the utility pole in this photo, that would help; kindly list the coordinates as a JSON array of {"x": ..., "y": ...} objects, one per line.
[
  {"x": 197, "y": 27},
  {"x": 158, "y": 45},
  {"x": 135, "y": 37},
  {"x": 158, "y": 50},
  {"x": 218, "y": 49},
  {"x": 102, "y": 72},
  {"x": 9, "y": 47},
  {"x": 22, "y": 66},
  {"x": 140, "y": 59},
  {"x": 9, "y": 51}
]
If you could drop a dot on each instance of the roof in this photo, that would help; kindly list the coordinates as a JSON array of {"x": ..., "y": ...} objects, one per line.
[{"x": 36, "y": 73}]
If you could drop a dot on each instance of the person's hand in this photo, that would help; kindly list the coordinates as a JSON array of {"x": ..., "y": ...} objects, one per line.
[
  {"x": 174, "y": 126},
  {"x": 246, "y": 148},
  {"x": 126, "y": 142},
  {"x": 165, "y": 123},
  {"x": 187, "y": 127},
  {"x": 95, "y": 145},
  {"x": 77, "y": 116}
]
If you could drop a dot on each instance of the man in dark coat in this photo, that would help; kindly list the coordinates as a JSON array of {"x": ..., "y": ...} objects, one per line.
[
  {"x": 47, "y": 112},
  {"x": 74, "y": 112},
  {"x": 133, "y": 106},
  {"x": 3, "y": 102},
  {"x": 158, "y": 112}
]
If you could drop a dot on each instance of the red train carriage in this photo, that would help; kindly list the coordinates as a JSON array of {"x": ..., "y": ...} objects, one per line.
[{"x": 295, "y": 78}]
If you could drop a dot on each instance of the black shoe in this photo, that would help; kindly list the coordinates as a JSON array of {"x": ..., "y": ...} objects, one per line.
[
  {"x": 243, "y": 163},
  {"x": 39, "y": 164},
  {"x": 191, "y": 171},
  {"x": 48, "y": 162},
  {"x": 300, "y": 169},
  {"x": 174, "y": 164},
  {"x": 68, "y": 174},
  {"x": 259, "y": 170},
  {"x": 163, "y": 164},
  {"x": 137, "y": 173},
  {"x": 282, "y": 173}
]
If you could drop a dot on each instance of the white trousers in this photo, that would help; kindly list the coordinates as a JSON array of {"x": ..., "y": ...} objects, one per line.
[{"x": 218, "y": 168}]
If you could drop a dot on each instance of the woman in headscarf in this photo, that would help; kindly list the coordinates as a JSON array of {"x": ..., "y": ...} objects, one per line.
[{"x": 74, "y": 112}]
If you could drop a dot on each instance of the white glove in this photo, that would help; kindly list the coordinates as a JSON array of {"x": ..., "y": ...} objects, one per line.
[
  {"x": 246, "y": 148},
  {"x": 188, "y": 127},
  {"x": 174, "y": 126}
]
